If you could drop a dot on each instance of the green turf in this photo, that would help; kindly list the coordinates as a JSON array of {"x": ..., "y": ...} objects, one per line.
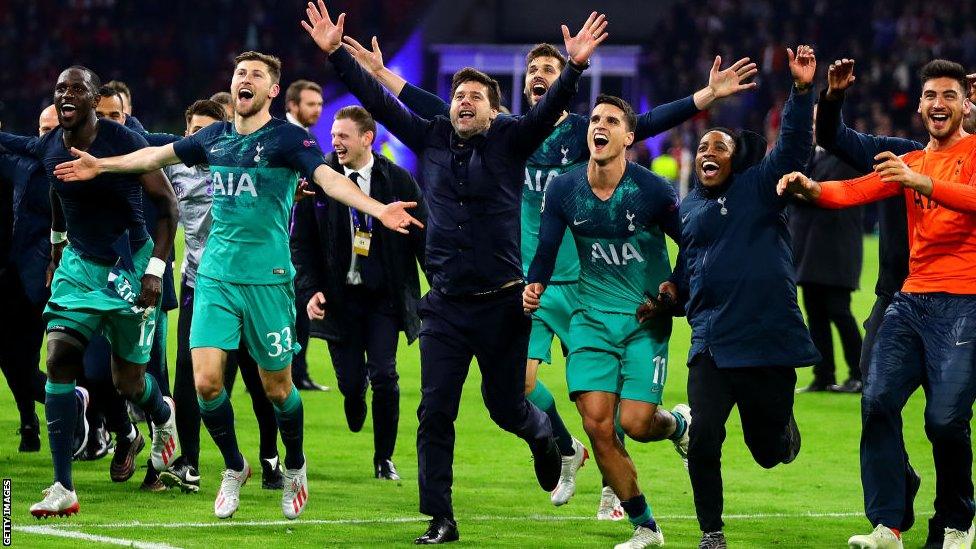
[{"x": 497, "y": 501}]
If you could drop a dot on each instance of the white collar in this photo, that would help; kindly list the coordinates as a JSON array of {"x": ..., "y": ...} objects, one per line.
[
  {"x": 363, "y": 172},
  {"x": 294, "y": 121}
]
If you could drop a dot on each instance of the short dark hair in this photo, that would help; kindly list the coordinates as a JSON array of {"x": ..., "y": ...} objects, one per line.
[
  {"x": 629, "y": 115},
  {"x": 469, "y": 74},
  {"x": 106, "y": 91},
  {"x": 545, "y": 50},
  {"x": 364, "y": 121},
  {"x": 206, "y": 107},
  {"x": 273, "y": 63},
  {"x": 294, "y": 92},
  {"x": 943, "y": 68},
  {"x": 223, "y": 98},
  {"x": 96, "y": 82},
  {"x": 120, "y": 87}
]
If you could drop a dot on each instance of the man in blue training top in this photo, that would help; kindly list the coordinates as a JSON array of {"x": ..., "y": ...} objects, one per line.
[
  {"x": 99, "y": 285},
  {"x": 564, "y": 150},
  {"x": 473, "y": 163},
  {"x": 617, "y": 213}
]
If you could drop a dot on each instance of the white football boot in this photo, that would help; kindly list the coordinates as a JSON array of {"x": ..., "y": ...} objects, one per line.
[
  {"x": 229, "y": 495},
  {"x": 610, "y": 508},
  {"x": 567, "y": 476},
  {"x": 165, "y": 442},
  {"x": 881, "y": 538},
  {"x": 295, "y": 493},
  {"x": 58, "y": 502}
]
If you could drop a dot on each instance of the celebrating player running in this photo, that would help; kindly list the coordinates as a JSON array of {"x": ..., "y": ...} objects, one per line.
[{"x": 244, "y": 285}]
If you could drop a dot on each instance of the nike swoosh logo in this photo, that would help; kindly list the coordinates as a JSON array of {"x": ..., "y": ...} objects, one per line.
[
  {"x": 958, "y": 343},
  {"x": 215, "y": 149},
  {"x": 685, "y": 218},
  {"x": 192, "y": 478},
  {"x": 50, "y": 423},
  {"x": 575, "y": 222}
]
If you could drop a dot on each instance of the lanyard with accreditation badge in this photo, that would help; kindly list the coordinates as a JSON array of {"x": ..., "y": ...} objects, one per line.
[{"x": 361, "y": 238}]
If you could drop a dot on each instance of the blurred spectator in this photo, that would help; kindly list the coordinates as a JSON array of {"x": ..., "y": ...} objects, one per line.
[{"x": 170, "y": 53}]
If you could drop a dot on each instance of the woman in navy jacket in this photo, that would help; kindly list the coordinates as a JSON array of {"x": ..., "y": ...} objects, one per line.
[{"x": 735, "y": 277}]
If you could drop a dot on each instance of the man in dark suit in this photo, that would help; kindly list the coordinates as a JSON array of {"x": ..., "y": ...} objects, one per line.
[
  {"x": 827, "y": 250},
  {"x": 25, "y": 252},
  {"x": 473, "y": 164},
  {"x": 359, "y": 280}
]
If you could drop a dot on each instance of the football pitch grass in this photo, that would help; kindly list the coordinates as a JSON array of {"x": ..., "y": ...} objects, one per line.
[{"x": 814, "y": 502}]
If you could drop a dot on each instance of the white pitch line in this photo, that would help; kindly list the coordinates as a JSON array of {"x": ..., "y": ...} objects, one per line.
[
  {"x": 392, "y": 520},
  {"x": 65, "y": 533}
]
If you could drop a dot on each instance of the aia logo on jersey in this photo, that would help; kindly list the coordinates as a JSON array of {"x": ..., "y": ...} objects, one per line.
[
  {"x": 610, "y": 253},
  {"x": 309, "y": 143},
  {"x": 541, "y": 181},
  {"x": 230, "y": 187}
]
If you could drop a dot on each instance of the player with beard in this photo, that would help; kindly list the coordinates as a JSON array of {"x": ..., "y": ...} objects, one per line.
[
  {"x": 193, "y": 187},
  {"x": 617, "y": 213},
  {"x": 926, "y": 337},
  {"x": 244, "y": 283},
  {"x": 564, "y": 150},
  {"x": 99, "y": 285}
]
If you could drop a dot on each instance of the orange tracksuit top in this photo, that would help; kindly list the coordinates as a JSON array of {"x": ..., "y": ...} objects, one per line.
[{"x": 941, "y": 227}]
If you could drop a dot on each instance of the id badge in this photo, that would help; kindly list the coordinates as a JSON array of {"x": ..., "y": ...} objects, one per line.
[{"x": 360, "y": 243}]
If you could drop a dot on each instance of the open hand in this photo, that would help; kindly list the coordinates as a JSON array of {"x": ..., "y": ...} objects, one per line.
[
  {"x": 803, "y": 65},
  {"x": 581, "y": 46},
  {"x": 371, "y": 60},
  {"x": 303, "y": 191},
  {"x": 796, "y": 183},
  {"x": 394, "y": 216},
  {"x": 326, "y": 34},
  {"x": 730, "y": 81},
  {"x": 840, "y": 76},
  {"x": 84, "y": 168}
]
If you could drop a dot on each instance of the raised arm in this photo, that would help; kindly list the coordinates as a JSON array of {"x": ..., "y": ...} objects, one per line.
[
  {"x": 407, "y": 126},
  {"x": 160, "y": 191},
  {"x": 721, "y": 83},
  {"x": 855, "y": 148},
  {"x": 423, "y": 102},
  {"x": 419, "y": 100},
  {"x": 535, "y": 126},
  {"x": 140, "y": 161},
  {"x": 795, "y": 141}
]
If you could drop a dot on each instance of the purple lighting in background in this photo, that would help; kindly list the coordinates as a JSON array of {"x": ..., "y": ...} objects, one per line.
[{"x": 407, "y": 63}]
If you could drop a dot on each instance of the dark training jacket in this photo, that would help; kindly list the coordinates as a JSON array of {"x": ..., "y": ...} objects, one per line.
[
  {"x": 473, "y": 187},
  {"x": 735, "y": 268},
  {"x": 859, "y": 150}
]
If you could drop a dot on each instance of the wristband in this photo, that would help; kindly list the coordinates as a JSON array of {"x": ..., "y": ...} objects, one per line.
[
  {"x": 58, "y": 237},
  {"x": 156, "y": 267}
]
